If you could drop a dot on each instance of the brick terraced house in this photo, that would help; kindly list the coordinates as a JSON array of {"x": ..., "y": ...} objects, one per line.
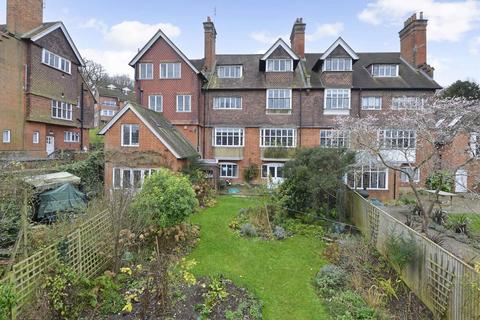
[
  {"x": 44, "y": 103},
  {"x": 110, "y": 100},
  {"x": 246, "y": 110}
]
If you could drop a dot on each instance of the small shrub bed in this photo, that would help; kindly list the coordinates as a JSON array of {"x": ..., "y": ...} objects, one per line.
[{"x": 360, "y": 284}]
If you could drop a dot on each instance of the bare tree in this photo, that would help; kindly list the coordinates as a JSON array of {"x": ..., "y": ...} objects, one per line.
[
  {"x": 121, "y": 81},
  {"x": 436, "y": 135},
  {"x": 94, "y": 73}
]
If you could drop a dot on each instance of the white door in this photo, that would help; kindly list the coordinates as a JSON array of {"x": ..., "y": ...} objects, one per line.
[
  {"x": 50, "y": 141},
  {"x": 274, "y": 173},
  {"x": 461, "y": 180}
]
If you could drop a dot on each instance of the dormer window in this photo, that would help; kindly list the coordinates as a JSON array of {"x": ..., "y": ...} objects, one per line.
[
  {"x": 337, "y": 64},
  {"x": 229, "y": 71},
  {"x": 55, "y": 61},
  {"x": 279, "y": 65},
  {"x": 385, "y": 70}
]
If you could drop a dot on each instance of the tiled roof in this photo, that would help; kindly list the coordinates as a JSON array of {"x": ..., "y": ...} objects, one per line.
[
  {"x": 167, "y": 131},
  {"x": 253, "y": 78},
  {"x": 44, "y": 26},
  {"x": 116, "y": 93}
]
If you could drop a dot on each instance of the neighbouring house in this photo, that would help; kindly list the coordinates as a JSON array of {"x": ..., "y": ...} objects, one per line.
[
  {"x": 110, "y": 100},
  {"x": 256, "y": 109},
  {"x": 45, "y": 104},
  {"x": 139, "y": 141}
]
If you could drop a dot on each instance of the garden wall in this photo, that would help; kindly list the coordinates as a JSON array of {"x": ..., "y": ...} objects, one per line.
[
  {"x": 87, "y": 250},
  {"x": 448, "y": 286}
]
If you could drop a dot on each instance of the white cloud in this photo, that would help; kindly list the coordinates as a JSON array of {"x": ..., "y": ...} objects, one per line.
[
  {"x": 325, "y": 30},
  {"x": 114, "y": 61},
  {"x": 265, "y": 37},
  {"x": 135, "y": 34},
  {"x": 448, "y": 21},
  {"x": 123, "y": 41},
  {"x": 475, "y": 46}
]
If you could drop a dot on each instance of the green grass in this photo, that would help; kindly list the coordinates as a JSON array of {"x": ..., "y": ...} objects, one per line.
[{"x": 278, "y": 272}]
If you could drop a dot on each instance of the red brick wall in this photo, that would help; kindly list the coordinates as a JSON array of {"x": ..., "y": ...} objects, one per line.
[
  {"x": 24, "y": 15},
  {"x": 151, "y": 153}
]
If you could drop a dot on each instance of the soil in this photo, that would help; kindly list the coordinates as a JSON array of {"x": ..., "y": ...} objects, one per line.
[{"x": 188, "y": 299}]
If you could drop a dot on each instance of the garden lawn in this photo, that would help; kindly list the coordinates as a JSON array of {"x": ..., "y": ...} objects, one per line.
[{"x": 280, "y": 273}]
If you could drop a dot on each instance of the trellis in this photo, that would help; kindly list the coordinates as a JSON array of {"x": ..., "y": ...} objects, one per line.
[
  {"x": 87, "y": 250},
  {"x": 448, "y": 286}
]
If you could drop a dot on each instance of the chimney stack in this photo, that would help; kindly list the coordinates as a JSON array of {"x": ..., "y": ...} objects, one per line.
[
  {"x": 297, "y": 38},
  {"x": 210, "y": 38},
  {"x": 413, "y": 42},
  {"x": 24, "y": 15}
]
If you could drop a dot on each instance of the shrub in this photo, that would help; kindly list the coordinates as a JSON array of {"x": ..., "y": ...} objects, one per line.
[
  {"x": 439, "y": 216},
  {"x": 441, "y": 180},
  {"x": 279, "y": 233},
  {"x": 312, "y": 177},
  {"x": 250, "y": 173},
  {"x": 165, "y": 200},
  {"x": 248, "y": 230},
  {"x": 348, "y": 305},
  {"x": 458, "y": 223},
  {"x": 203, "y": 189},
  {"x": 400, "y": 251},
  {"x": 309, "y": 230},
  {"x": 91, "y": 171},
  {"x": 8, "y": 300},
  {"x": 332, "y": 252},
  {"x": 329, "y": 280}
]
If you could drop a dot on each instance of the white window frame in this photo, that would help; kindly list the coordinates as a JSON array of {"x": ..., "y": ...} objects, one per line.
[
  {"x": 333, "y": 93},
  {"x": 227, "y": 103},
  {"x": 397, "y": 139},
  {"x": 377, "y": 103},
  {"x": 373, "y": 172},
  {"x": 333, "y": 64},
  {"x": 274, "y": 138},
  {"x": 229, "y": 133},
  {"x": 144, "y": 74},
  {"x": 230, "y": 71},
  {"x": 384, "y": 70},
  {"x": 61, "y": 110},
  {"x": 107, "y": 113},
  {"x": 228, "y": 164},
  {"x": 109, "y": 103},
  {"x": 71, "y": 137},
  {"x": 142, "y": 176},
  {"x": 184, "y": 97},
  {"x": 404, "y": 177},
  {"x": 156, "y": 106},
  {"x": 275, "y": 65},
  {"x": 36, "y": 137},
  {"x": 57, "y": 62},
  {"x": 335, "y": 138},
  {"x": 475, "y": 145},
  {"x": 7, "y": 136},
  {"x": 278, "y": 92},
  {"x": 130, "y": 144},
  {"x": 407, "y": 103},
  {"x": 271, "y": 165},
  {"x": 176, "y": 67}
]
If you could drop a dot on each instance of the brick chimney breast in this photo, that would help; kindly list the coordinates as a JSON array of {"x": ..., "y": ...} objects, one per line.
[
  {"x": 210, "y": 39},
  {"x": 297, "y": 37},
  {"x": 413, "y": 40},
  {"x": 24, "y": 15}
]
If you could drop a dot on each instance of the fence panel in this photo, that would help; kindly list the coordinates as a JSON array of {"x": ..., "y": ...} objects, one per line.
[
  {"x": 87, "y": 250},
  {"x": 448, "y": 286}
]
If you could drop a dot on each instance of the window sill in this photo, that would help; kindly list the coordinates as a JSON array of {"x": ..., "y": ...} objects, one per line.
[
  {"x": 130, "y": 146},
  {"x": 279, "y": 111},
  {"x": 341, "y": 112}
]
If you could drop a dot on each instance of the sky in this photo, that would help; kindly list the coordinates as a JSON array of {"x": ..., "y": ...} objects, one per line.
[{"x": 112, "y": 31}]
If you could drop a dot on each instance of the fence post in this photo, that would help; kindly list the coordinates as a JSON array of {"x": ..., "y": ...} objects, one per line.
[{"x": 79, "y": 250}]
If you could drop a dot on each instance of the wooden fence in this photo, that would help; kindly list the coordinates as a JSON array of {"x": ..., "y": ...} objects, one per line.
[
  {"x": 87, "y": 250},
  {"x": 449, "y": 287}
]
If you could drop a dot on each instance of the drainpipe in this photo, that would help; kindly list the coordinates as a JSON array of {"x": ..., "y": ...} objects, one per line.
[
  {"x": 205, "y": 101},
  {"x": 81, "y": 117},
  {"x": 300, "y": 121}
]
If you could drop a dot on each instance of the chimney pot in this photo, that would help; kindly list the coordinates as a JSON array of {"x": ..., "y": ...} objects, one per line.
[{"x": 413, "y": 40}]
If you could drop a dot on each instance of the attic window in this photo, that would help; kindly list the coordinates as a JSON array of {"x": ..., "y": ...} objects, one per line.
[
  {"x": 229, "y": 71},
  {"x": 279, "y": 65},
  {"x": 385, "y": 70},
  {"x": 55, "y": 61},
  {"x": 338, "y": 64}
]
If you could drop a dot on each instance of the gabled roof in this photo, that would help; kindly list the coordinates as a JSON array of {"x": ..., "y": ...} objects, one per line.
[
  {"x": 280, "y": 43},
  {"x": 154, "y": 39},
  {"x": 115, "y": 93},
  {"x": 160, "y": 127},
  {"x": 344, "y": 45},
  {"x": 47, "y": 27}
]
